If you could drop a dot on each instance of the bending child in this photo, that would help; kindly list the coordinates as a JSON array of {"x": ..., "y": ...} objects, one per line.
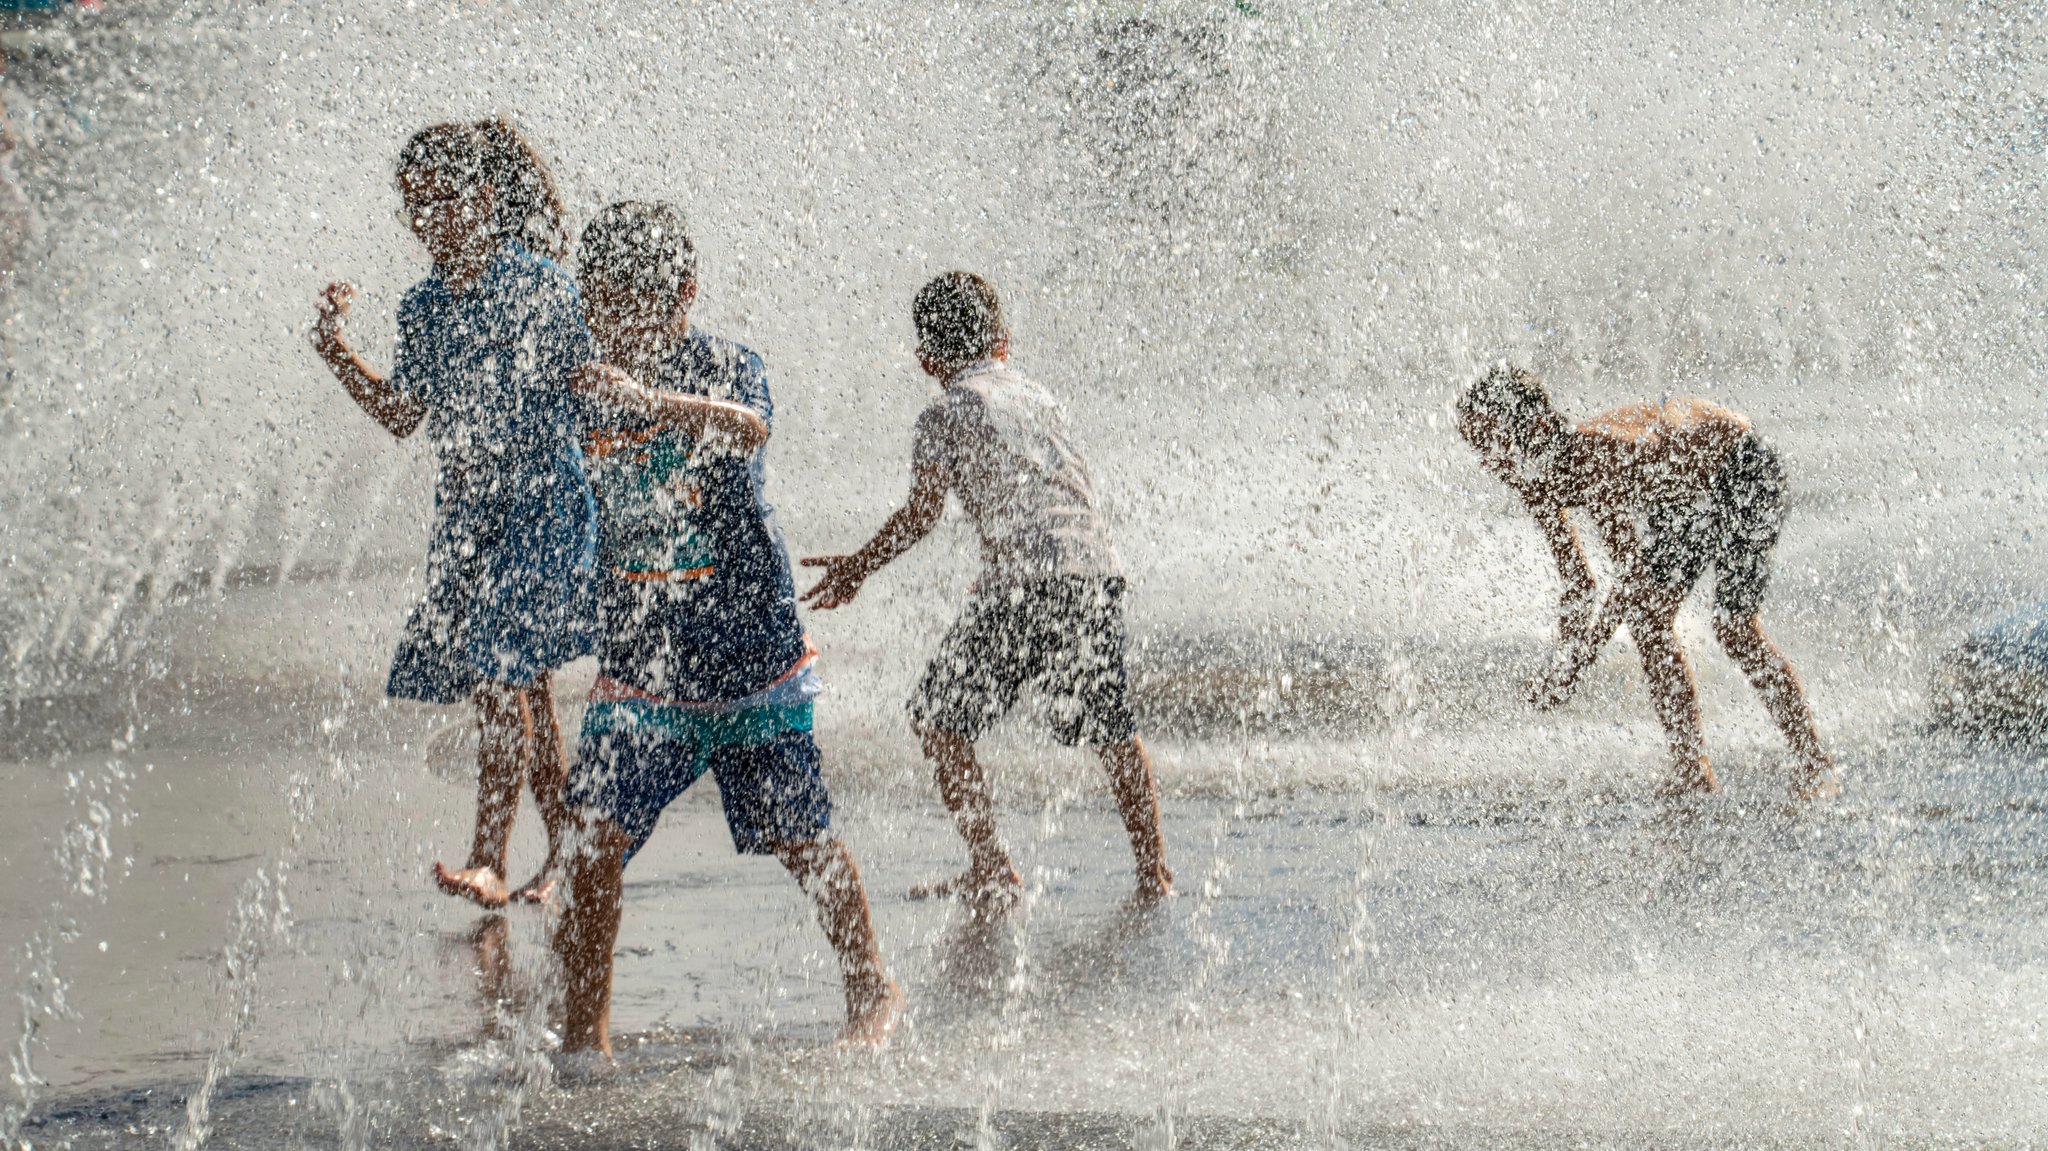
[
  {"x": 1711, "y": 494},
  {"x": 703, "y": 664},
  {"x": 1048, "y": 607},
  {"x": 485, "y": 347}
]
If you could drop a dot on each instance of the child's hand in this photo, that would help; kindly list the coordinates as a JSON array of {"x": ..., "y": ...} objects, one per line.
[
  {"x": 333, "y": 304},
  {"x": 608, "y": 385},
  {"x": 843, "y": 577}
]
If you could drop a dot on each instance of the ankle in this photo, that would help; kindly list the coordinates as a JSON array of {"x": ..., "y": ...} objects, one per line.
[
  {"x": 991, "y": 872},
  {"x": 864, "y": 991}
]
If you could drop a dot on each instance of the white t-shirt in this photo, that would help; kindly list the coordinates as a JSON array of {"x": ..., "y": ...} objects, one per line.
[{"x": 1000, "y": 442}]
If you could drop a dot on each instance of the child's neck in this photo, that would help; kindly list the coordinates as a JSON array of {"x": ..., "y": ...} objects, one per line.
[{"x": 462, "y": 273}]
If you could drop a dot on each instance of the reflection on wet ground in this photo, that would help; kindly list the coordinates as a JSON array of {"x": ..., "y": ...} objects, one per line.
[{"x": 1500, "y": 961}]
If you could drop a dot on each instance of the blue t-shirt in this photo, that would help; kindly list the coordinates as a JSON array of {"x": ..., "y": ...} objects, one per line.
[
  {"x": 695, "y": 601},
  {"x": 514, "y": 545}
]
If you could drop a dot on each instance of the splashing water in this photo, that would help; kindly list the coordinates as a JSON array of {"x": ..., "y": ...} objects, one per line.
[{"x": 1255, "y": 249}]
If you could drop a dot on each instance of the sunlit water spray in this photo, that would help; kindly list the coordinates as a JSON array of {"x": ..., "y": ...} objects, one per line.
[{"x": 1256, "y": 249}]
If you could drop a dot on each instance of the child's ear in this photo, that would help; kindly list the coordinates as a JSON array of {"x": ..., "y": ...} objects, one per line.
[{"x": 687, "y": 298}]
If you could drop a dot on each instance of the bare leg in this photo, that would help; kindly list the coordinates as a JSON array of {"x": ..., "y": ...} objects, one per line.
[
  {"x": 827, "y": 873},
  {"x": 964, "y": 787},
  {"x": 500, "y": 747},
  {"x": 1137, "y": 798},
  {"x": 1674, "y": 695},
  {"x": 587, "y": 933},
  {"x": 548, "y": 776},
  {"x": 493, "y": 944},
  {"x": 1771, "y": 674}
]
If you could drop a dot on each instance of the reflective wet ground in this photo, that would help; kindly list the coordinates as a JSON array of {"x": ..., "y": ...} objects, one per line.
[{"x": 1454, "y": 941}]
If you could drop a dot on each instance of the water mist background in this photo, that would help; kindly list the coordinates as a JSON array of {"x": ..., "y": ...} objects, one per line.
[
  {"x": 1256, "y": 248},
  {"x": 1256, "y": 253}
]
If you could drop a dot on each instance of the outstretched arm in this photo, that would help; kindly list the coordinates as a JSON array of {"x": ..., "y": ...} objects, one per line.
[
  {"x": 698, "y": 417},
  {"x": 396, "y": 411},
  {"x": 910, "y": 523},
  {"x": 1583, "y": 631}
]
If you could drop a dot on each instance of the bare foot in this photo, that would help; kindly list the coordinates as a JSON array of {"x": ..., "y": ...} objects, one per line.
[
  {"x": 870, "y": 1023},
  {"x": 479, "y": 885},
  {"x": 1813, "y": 786},
  {"x": 1154, "y": 889},
  {"x": 540, "y": 889},
  {"x": 980, "y": 886}
]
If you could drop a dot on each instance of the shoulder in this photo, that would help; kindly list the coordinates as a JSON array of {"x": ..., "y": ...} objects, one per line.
[
  {"x": 731, "y": 356},
  {"x": 1013, "y": 389},
  {"x": 944, "y": 417},
  {"x": 720, "y": 363},
  {"x": 534, "y": 285},
  {"x": 1626, "y": 416},
  {"x": 550, "y": 280},
  {"x": 1630, "y": 424},
  {"x": 953, "y": 404},
  {"x": 1699, "y": 410},
  {"x": 421, "y": 298}
]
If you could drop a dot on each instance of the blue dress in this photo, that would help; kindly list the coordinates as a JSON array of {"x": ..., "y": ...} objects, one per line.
[{"x": 509, "y": 566}]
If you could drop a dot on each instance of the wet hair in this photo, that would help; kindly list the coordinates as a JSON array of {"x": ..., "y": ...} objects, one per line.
[
  {"x": 959, "y": 319},
  {"x": 496, "y": 154},
  {"x": 1510, "y": 394},
  {"x": 639, "y": 246}
]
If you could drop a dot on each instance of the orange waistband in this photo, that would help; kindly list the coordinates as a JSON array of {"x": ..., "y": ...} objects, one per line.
[{"x": 665, "y": 576}]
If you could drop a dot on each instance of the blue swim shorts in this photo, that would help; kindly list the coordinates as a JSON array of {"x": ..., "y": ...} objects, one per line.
[{"x": 635, "y": 756}]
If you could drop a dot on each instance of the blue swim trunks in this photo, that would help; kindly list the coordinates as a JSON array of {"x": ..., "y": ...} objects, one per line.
[{"x": 636, "y": 755}]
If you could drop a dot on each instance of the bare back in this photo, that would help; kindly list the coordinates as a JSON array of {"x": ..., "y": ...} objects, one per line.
[{"x": 1650, "y": 453}]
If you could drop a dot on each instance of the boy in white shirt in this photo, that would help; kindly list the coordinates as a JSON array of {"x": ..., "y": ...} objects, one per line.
[{"x": 1048, "y": 608}]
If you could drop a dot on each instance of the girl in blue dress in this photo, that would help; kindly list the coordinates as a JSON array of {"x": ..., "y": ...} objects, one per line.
[{"x": 485, "y": 346}]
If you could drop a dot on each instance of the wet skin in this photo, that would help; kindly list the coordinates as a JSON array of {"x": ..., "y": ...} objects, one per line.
[
  {"x": 636, "y": 336},
  {"x": 588, "y": 932},
  {"x": 517, "y": 725},
  {"x": 1614, "y": 466},
  {"x": 991, "y": 877},
  {"x": 635, "y": 339}
]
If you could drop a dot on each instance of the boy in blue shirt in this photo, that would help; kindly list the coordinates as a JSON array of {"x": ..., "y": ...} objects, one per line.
[{"x": 703, "y": 664}]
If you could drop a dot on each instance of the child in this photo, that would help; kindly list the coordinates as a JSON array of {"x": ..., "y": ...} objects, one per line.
[
  {"x": 702, "y": 663},
  {"x": 485, "y": 347},
  {"x": 1712, "y": 494},
  {"x": 1049, "y": 604}
]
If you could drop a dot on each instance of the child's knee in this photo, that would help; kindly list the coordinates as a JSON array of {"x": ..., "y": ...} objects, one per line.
[
  {"x": 597, "y": 842},
  {"x": 1736, "y": 632},
  {"x": 498, "y": 706},
  {"x": 937, "y": 742},
  {"x": 1654, "y": 636}
]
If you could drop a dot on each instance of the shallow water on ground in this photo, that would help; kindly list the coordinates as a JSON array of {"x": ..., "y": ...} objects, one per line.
[
  {"x": 1423, "y": 933},
  {"x": 1255, "y": 248}
]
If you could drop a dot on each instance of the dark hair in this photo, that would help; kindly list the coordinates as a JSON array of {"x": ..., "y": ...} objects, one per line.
[
  {"x": 1509, "y": 393},
  {"x": 639, "y": 246},
  {"x": 496, "y": 154},
  {"x": 959, "y": 319}
]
